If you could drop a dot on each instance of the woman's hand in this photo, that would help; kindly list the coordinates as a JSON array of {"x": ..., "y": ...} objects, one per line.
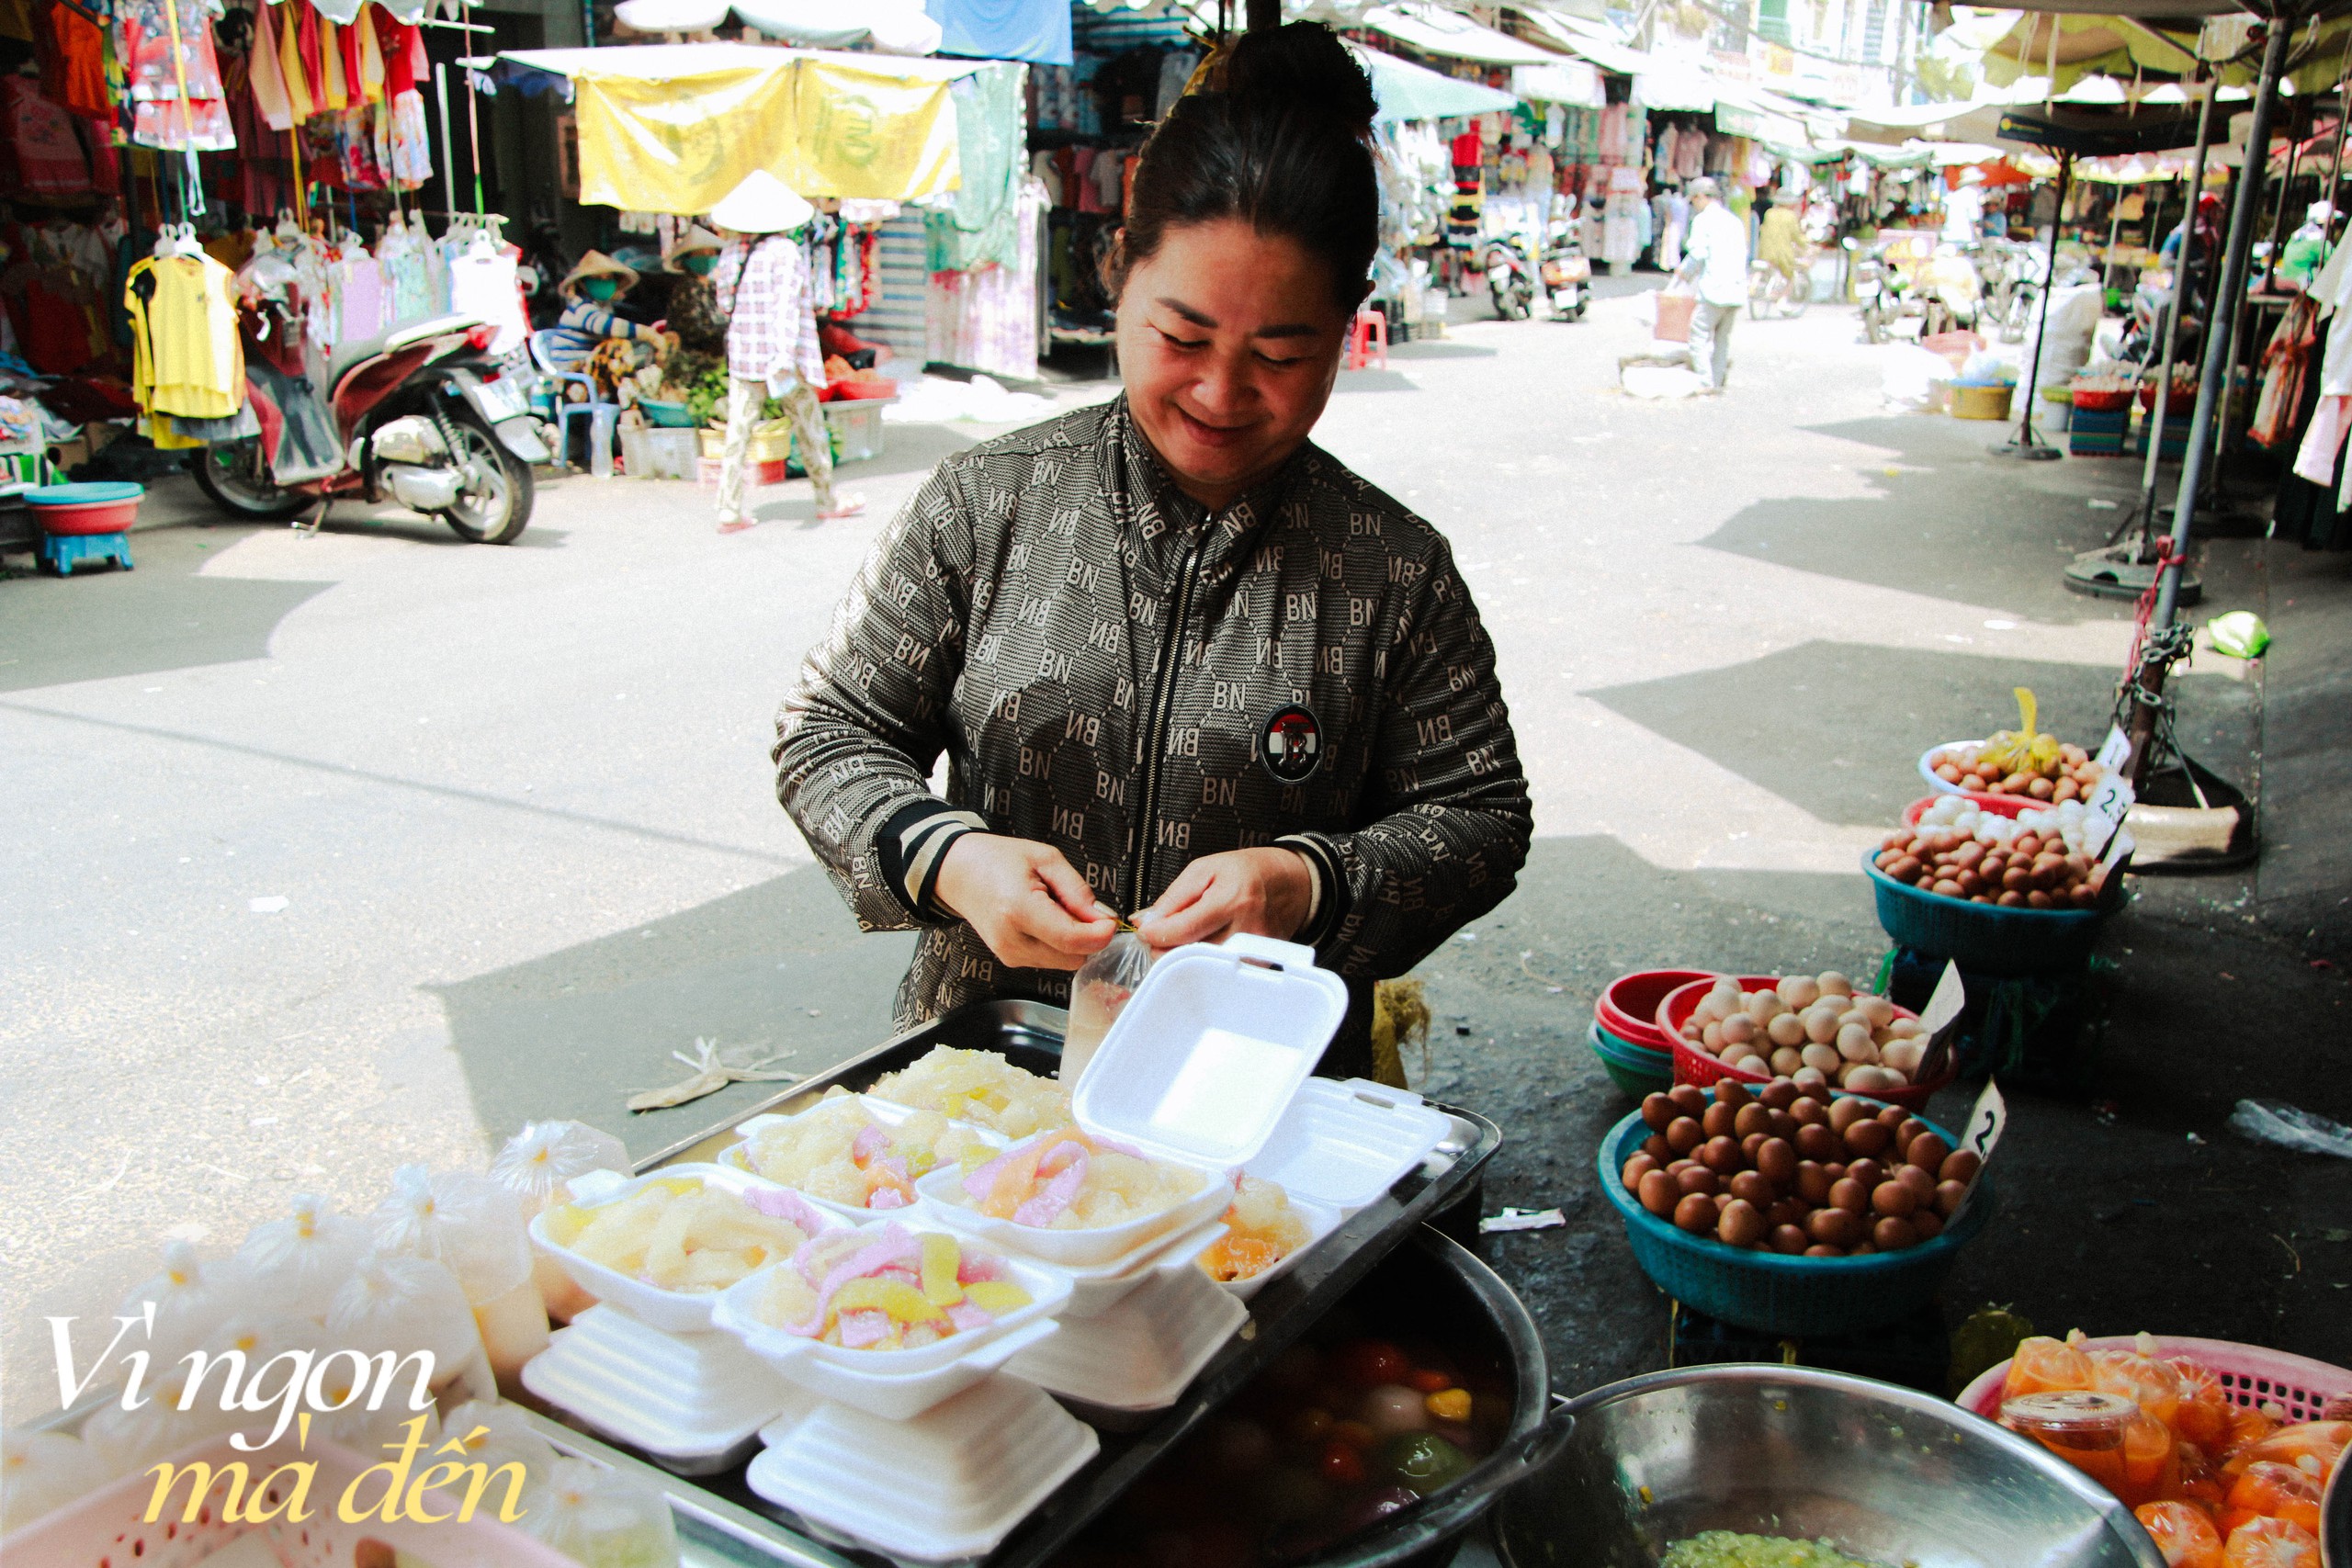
[
  {"x": 1263, "y": 892},
  {"x": 1028, "y": 903}
]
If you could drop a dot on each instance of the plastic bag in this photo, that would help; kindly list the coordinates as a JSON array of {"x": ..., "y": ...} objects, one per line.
[
  {"x": 471, "y": 1224},
  {"x": 2025, "y": 749},
  {"x": 192, "y": 1299},
  {"x": 1908, "y": 375},
  {"x": 506, "y": 1437},
  {"x": 405, "y": 1304},
  {"x": 600, "y": 1519},
  {"x": 538, "y": 1161},
  {"x": 297, "y": 1264},
  {"x": 2289, "y": 1127},
  {"x": 42, "y": 1472},
  {"x": 1098, "y": 994}
]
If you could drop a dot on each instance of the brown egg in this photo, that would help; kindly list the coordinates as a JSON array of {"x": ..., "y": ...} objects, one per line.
[
  {"x": 1893, "y": 1116},
  {"x": 1659, "y": 1194},
  {"x": 1688, "y": 1099},
  {"x": 1837, "y": 1170},
  {"x": 1790, "y": 1239},
  {"x": 1732, "y": 1092},
  {"x": 1869, "y": 1172},
  {"x": 1822, "y": 1249},
  {"x": 1927, "y": 1223},
  {"x": 1683, "y": 1135},
  {"x": 1697, "y": 1178},
  {"x": 1811, "y": 1182},
  {"x": 1680, "y": 1163},
  {"x": 1784, "y": 1124},
  {"x": 1719, "y": 1156},
  {"x": 1922, "y": 1183},
  {"x": 1869, "y": 1139},
  {"x": 1695, "y": 1214},
  {"x": 1817, "y": 1141},
  {"x": 1834, "y": 1227},
  {"x": 1850, "y": 1195},
  {"x": 1657, "y": 1147},
  {"x": 1751, "y": 1118},
  {"x": 1926, "y": 1151},
  {"x": 1948, "y": 1197},
  {"x": 1911, "y": 1128},
  {"x": 1658, "y": 1111},
  {"x": 1749, "y": 1144},
  {"x": 1961, "y": 1165},
  {"x": 1717, "y": 1120},
  {"x": 1739, "y": 1224},
  {"x": 1635, "y": 1169},
  {"x": 1750, "y": 1186},
  {"x": 1776, "y": 1158},
  {"x": 1807, "y": 1109},
  {"x": 1787, "y": 1212},
  {"x": 1778, "y": 1095},
  {"x": 1893, "y": 1234},
  {"x": 1845, "y": 1111},
  {"x": 1893, "y": 1198}
]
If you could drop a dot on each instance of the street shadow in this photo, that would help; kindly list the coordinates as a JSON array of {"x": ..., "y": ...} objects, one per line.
[
  {"x": 1375, "y": 381},
  {"x": 99, "y": 625},
  {"x": 1951, "y": 521},
  {"x": 1424, "y": 348},
  {"x": 1837, "y": 728},
  {"x": 778, "y": 966}
]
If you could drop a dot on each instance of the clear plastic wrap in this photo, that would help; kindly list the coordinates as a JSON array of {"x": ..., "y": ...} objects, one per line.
[
  {"x": 405, "y": 1305},
  {"x": 192, "y": 1299},
  {"x": 539, "y": 1160},
  {"x": 1097, "y": 994},
  {"x": 297, "y": 1264},
  {"x": 42, "y": 1472},
  {"x": 471, "y": 1224},
  {"x": 600, "y": 1519},
  {"x": 506, "y": 1437}
]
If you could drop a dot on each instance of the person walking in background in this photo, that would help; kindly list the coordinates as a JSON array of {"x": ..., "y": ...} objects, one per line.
[
  {"x": 1778, "y": 238},
  {"x": 761, "y": 283},
  {"x": 1715, "y": 258}
]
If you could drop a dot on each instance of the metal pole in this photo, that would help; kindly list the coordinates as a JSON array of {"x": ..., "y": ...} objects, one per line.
[
  {"x": 473, "y": 98},
  {"x": 2182, "y": 268},
  {"x": 2234, "y": 251},
  {"x": 449, "y": 146},
  {"x": 2025, "y": 444}
]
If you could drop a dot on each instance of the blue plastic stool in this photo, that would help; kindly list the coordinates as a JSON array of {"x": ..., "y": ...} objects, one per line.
[{"x": 63, "y": 552}]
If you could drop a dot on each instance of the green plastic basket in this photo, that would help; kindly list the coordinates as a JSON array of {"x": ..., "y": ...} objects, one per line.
[
  {"x": 1636, "y": 1070},
  {"x": 666, "y": 416},
  {"x": 1771, "y": 1290}
]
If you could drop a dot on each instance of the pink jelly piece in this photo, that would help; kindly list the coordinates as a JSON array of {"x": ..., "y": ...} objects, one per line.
[
  {"x": 976, "y": 1268},
  {"x": 896, "y": 1244},
  {"x": 1068, "y": 1162},
  {"x": 860, "y": 1329},
  {"x": 888, "y": 1198},
  {"x": 967, "y": 1316},
  {"x": 779, "y": 1204},
  {"x": 982, "y": 1182},
  {"x": 871, "y": 1140}
]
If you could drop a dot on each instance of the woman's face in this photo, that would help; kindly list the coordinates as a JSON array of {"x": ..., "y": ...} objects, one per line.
[{"x": 1228, "y": 343}]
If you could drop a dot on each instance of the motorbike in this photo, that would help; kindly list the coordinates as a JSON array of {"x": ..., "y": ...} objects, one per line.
[
  {"x": 1771, "y": 292},
  {"x": 1511, "y": 279},
  {"x": 1869, "y": 284},
  {"x": 1567, "y": 275},
  {"x": 423, "y": 414}
]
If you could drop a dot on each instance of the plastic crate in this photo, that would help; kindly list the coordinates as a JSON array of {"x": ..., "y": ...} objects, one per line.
[
  {"x": 657, "y": 453},
  {"x": 1635, "y": 1070},
  {"x": 2175, "y": 438},
  {"x": 1774, "y": 1292},
  {"x": 2097, "y": 433},
  {"x": 1695, "y": 1066},
  {"x": 2250, "y": 1375},
  {"x": 857, "y": 425}
]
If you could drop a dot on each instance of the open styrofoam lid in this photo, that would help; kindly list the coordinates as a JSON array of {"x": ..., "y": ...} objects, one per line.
[
  {"x": 1346, "y": 1143},
  {"x": 1204, "y": 1061}
]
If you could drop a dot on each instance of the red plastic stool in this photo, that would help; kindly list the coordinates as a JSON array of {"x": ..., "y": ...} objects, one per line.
[{"x": 1368, "y": 339}]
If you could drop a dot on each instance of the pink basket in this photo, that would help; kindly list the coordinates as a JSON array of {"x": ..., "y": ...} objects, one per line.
[
  {"x": 107, "y": 1527},
  {"x": 2250, "y": 1375}
]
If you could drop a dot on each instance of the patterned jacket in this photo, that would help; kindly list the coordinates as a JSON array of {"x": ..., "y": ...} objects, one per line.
[{"x": 1110, "y": 670}]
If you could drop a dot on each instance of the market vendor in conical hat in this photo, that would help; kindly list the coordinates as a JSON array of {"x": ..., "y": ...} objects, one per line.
[
  {"x": 590, "y": 291},
  {"x": 695, "y": 314},
  {"x": 763, "y": 289}
]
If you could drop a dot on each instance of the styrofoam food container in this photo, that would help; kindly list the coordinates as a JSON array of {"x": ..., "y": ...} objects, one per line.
[
  {"x": 948, "y": 1484},
  {"x": 692, "y": 1402},
  {"x": 672, "y": 1312},
  {"x": 1321, "y": 1219},
  {"x": 1118, "y": 1247},
  {"x": 887, "y": 1113},
  {"x": 1140, "y": 1355},
  {"x": 1345, "y": 1143},
  {"x": 1099, "y": 1289}
]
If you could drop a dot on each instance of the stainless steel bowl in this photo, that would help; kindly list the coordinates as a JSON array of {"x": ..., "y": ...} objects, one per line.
[{"x": 1883, "y": 1472}]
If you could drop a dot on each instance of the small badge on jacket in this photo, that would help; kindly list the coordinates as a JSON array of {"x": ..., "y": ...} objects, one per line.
[{"x": 1290, "y": 743}]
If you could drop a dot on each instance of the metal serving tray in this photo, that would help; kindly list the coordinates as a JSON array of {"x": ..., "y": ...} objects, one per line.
[{"x": 722, "y": 1520}]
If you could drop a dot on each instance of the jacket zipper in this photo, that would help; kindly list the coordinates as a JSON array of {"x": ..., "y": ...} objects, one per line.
[{"x": 1156, "y": 736}]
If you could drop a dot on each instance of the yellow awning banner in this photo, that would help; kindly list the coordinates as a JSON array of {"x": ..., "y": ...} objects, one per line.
[{"x": 861, "y": 133}]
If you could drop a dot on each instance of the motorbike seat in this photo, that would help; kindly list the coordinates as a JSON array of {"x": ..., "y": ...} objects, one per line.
[{"x": 347, "y": 357}]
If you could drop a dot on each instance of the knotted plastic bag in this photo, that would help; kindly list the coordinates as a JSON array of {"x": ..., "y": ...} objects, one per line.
[
  {"x": 2024, "y": 749},
  {"x": 42, "y": 1472},
  {"x": 537, "y": 1165},
  {"x": 405, "y": 1305},
  {"x": 496, "y": 1434},
  {"x": 473, "y": 1225},
  {"x": 192, "y": 1298},
  {"x": 297, "y": 1264},
  {"x": 600, "y": 1519},
  {"x": 1098, "y": 994}
]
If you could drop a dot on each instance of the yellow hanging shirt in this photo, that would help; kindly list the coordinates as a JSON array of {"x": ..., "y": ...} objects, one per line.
[{"x": 187, "y": 358}]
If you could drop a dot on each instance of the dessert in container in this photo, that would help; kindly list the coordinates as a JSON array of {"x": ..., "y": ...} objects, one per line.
[
  {"x": 948, "y": 1484},
  {"x": 672, "y": 1312},
  {"x": 1321, "y": 1220},
  {"x": 692, "y": 1402},
  {"x": 738, "y": 1157}
]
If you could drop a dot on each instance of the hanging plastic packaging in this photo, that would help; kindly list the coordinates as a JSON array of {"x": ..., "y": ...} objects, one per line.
[
  {"x": 406, "y": 1304},
  {"x": 602, "y": 1519},
  {"x": 537, "y": 1165},
  {"x": 474, "y": 1227},
  {"x": 42, "y": 1472},
  {"x": 295, "y": 1265},
  {"x": 192, "y": 1299},
  {"x": 1098, "y": 993},
  {"x": 496, "y": 1434}
]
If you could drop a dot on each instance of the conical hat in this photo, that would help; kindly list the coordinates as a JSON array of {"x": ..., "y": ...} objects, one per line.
[
  {"x": 596, "y": 264},
  {"x": 760, "y": 205}
]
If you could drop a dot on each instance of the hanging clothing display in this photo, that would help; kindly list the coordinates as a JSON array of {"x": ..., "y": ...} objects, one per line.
[
  {"x": 172, "y": 75},
  {"x": 975, "y": 227},
  {"x": 2286, "y": 361},
  {"x": 186, "y": 356},
  {"x": 986, "y": 319}
]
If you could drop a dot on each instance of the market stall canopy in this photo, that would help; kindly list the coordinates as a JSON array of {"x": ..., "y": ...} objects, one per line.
[
  {"x": 1659, "y": 83},
  {"x": 2117, "y": 45},
  {"x": 673, "y": 128},
  {"x": 1407, "y": 91},
  {"x": 2092, "y": 133},
  {"x": 892, "y": 26},
  {"x": 1433, "y": 29}
]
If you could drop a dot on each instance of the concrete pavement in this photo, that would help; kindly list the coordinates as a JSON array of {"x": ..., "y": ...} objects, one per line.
[{"x": 518, "y": 807}]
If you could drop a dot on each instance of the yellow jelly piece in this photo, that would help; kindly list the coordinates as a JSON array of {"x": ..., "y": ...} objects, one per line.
[
  {"x": 940, "y": 1257},
  {"x": 904, "y": 1303},
  {"x": 564, "y": 1222},
  {"x": 997, "y": 1296}
]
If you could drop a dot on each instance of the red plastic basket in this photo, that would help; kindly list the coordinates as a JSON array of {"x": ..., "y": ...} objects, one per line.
[
  {"x": 1697, "y": 1068},
  {"x": 1627, "y": 1007},
  {"x": 2250, "y": 1375}
]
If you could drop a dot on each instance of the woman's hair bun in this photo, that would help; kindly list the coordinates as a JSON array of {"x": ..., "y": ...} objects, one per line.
[{"x": 1302, "y": 65}]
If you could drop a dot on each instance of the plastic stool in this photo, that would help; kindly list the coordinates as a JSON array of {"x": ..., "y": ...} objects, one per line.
[
  {"x": 63, "y": 552},
  {"x": 1368, "y": 338}
]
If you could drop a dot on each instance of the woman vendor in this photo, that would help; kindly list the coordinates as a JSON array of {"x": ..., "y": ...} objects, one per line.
[
  {"x": 590, "y": 289},
  {"x": 1182, "y": 662}
]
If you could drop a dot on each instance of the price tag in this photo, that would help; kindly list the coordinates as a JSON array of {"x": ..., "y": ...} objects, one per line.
[
  {"x": 1939, "y": 1018},
  {"x": 1982, "y": 1130},
  {"x": 2108, "y": 805},
  {"x": 2116, "y": 751}
]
